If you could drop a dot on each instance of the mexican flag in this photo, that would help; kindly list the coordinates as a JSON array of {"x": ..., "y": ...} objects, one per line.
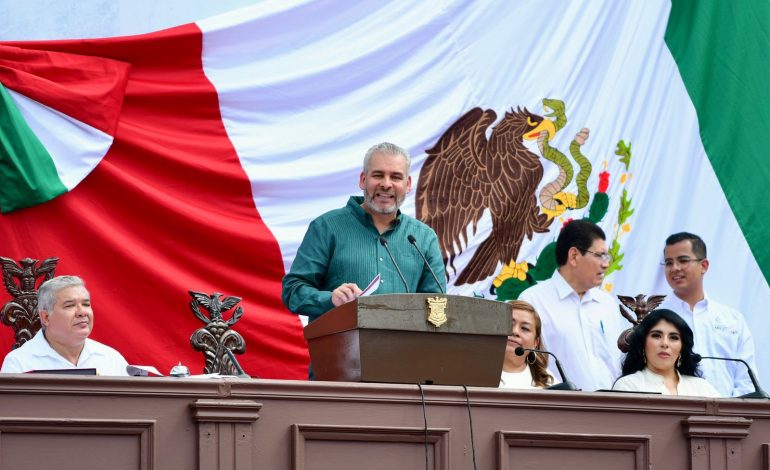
[{"x": 195, "y": 157}]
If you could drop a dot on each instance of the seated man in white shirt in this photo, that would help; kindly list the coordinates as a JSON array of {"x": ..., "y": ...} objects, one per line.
[
  {"x": 581, "y": 322},
  {"x": 64, "y": 306},
  {"x": 718, "y": 329}
]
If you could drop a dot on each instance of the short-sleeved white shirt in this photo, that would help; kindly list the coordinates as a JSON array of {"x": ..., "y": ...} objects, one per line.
[
  {"x": 37, "y": 354},
  {"x": 581, "y": 332}
]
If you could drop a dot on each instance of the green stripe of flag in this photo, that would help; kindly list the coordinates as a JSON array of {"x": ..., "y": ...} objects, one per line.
[
  {"x": 27, "y": 173},
  {"x": 722, "y": 50}
]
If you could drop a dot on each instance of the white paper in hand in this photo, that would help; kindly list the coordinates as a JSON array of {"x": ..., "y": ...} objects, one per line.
[{"x": 373, "y": 286}]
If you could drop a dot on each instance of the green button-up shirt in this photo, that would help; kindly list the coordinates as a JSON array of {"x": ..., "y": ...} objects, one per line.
[{"x": 343, "y": 246}]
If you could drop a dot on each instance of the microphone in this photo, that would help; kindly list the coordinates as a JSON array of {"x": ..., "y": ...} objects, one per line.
[
  {"x": 757, "y": 393},
  {"x": 566, "y": 384},
  {"x": 237, "y": 365},
  {"x": 384, "y": 243},
  {"x": 240, "y": 373},
  {"x": 413, "y": 241}
]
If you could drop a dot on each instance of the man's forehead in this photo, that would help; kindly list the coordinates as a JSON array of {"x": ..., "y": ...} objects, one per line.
[
  {"x": 681, "y": 248},
  {"x": 72, "y": 293},
  {"x": 598, "y": 245},
  {"x": 381, "y": 160}
]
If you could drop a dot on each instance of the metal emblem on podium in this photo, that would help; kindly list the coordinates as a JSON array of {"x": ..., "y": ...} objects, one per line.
[{"x": 437, "y": 307}]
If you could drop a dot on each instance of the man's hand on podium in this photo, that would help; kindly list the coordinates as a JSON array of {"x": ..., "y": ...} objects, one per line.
[{"x": 345, "y": 293}]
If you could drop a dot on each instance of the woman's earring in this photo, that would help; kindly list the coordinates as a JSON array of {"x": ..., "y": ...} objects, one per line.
[
  {"x": 679, "y": 362},
  {"x": 531, "y": 358},
  {"x": 644, "y": 358}
]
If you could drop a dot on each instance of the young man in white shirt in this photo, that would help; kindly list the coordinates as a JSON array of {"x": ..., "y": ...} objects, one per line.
[{"x": 718, "y": 329}]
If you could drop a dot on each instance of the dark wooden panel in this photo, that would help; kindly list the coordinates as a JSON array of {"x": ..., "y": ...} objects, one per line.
[
  {"x": 318, "y": 447},
  {"x": 574, "y": 451},
  {"x": 76, "y": 444}
]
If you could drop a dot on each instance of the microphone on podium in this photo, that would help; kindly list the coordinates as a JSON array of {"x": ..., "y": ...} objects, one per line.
[
  {"x": 757, "y": 393},
  {"x": 236, "y": 365},
  {"x": 384, "y": 243},
  {"x": 238, "y": 369},
  {"x": 565, "y": 384},
  {"x": 413, "y": 241}
]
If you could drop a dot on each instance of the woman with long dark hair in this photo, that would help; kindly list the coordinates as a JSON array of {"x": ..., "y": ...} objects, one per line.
[
  {"x": 661, "y": 359},
  {"x": 531, "y": 369}
]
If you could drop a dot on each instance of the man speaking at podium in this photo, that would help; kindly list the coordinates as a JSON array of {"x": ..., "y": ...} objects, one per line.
[{"x": 345, "y": 249}]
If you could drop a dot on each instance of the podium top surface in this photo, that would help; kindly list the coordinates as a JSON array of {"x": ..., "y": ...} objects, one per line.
[{"x": 410, "y": 312}]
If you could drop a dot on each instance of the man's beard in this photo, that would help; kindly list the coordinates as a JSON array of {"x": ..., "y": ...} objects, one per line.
[{"x": 369, "y": 201}]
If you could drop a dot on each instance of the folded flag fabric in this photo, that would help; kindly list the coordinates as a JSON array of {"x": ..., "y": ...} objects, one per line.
[{"x": 58, "y": 117}]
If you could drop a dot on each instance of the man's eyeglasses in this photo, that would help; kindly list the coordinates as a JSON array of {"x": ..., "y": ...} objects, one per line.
[
  {"x": 683, "y": 261},
  {"x": 602, "y": 256}
]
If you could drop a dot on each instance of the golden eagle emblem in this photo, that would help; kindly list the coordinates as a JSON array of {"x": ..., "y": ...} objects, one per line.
[{"x": 437, "y": 310}]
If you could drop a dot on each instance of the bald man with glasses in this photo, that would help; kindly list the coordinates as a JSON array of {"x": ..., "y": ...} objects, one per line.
[{"x": 718, "y": 329}]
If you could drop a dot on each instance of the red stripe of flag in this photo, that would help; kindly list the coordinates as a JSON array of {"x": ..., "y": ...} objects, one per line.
[
  {"x": 87, "y": 88},
  {"x": 169, "y": 209}
]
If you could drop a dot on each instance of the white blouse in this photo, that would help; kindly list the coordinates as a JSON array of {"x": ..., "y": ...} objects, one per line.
[
  {"x": 648, "y": 381},
  {"x": 521, "y": 379}
]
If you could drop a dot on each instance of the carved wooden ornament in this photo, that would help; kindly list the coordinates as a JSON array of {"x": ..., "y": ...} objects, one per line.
[
  {"x": 640, "y": 307},
  {"x": 213, "y": 338},
  {"x": 20, "y": 281}
]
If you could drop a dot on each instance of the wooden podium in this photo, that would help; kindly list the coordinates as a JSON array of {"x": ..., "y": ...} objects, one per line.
[{"x": 388, "y": 338}]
